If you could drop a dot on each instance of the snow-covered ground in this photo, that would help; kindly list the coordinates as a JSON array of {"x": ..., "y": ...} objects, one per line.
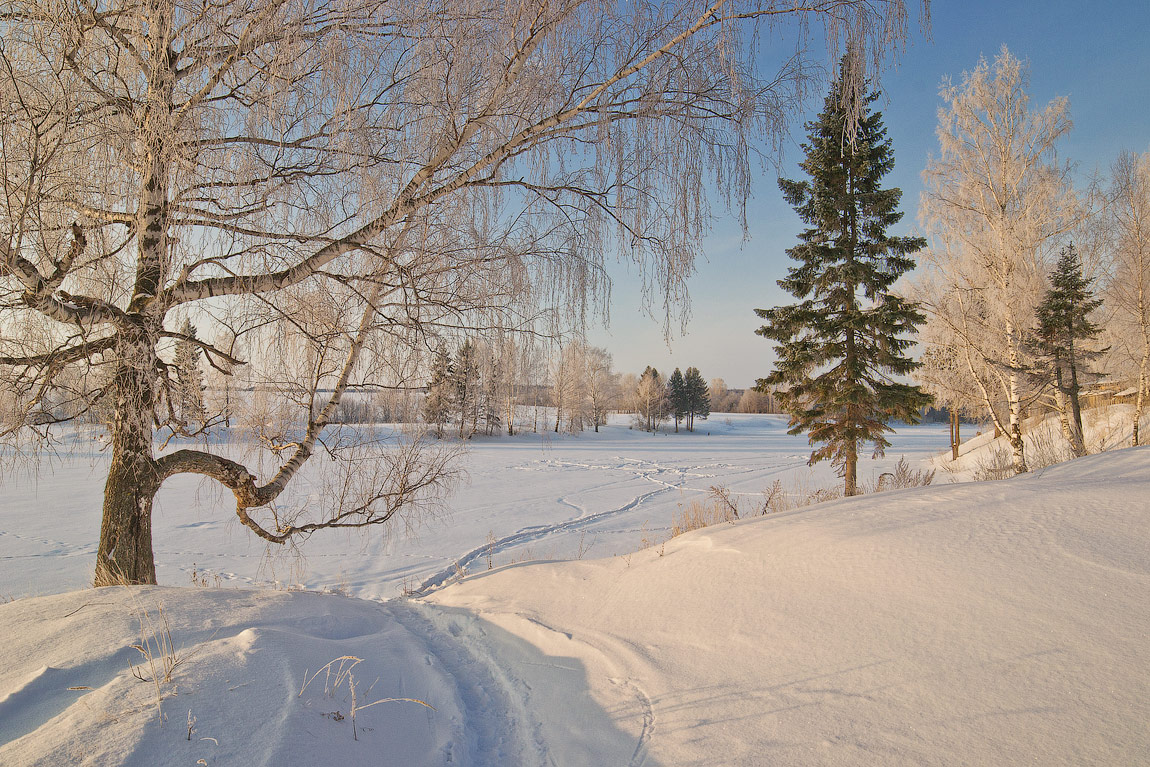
[
  {"x": 973, "y": 623},
  {"x": 537, "y": 496}
]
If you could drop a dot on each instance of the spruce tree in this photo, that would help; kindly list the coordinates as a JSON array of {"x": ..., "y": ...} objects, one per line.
[
  {"x": 698, "y": 397},
  {"x": 465, "y": 376},
  {"x": 189, "y": 394},
  {"x": 1063, "y": 326},
  {"x": 841, "y": 348},
  {"x": 438, "y": 403},
  {"x": 677, "y": 397}
]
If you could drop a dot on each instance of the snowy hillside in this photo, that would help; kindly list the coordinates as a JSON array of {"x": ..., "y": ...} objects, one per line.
[{"x": 990, "y": 623}]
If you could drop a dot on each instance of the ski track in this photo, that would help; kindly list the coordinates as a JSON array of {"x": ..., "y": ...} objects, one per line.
[
  {"x": 57, "y": 548},
  {"x": 646, "y": 470},
  {"x": 497, "y": 727},
  {"x": 636, "y": 468},
  {"x": 640, "y": 754}
]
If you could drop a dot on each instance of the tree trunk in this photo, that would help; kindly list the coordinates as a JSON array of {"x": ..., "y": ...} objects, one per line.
[
  {"x": 954, "y": 435},
  {"x": 850, "y": 471},
  {"x": 125, "y": 554},
  {"x": 1077, "y": 443},
  {"x": 1017, "y": 448},
  {"x": 1140, "y": 397}
]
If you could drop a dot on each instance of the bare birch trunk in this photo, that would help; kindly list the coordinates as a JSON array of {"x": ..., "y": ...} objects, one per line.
[
  {"x": 1140, "y": 398},
  {"x": 124, "y": 554}
]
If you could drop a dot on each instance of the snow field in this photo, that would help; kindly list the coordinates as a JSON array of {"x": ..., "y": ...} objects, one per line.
[{"x": 538, "y": 496}]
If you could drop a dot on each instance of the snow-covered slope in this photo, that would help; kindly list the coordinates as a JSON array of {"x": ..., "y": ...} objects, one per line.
[
  {"x": 982, "y": 456},
  {"x": 992, "y": 623}
]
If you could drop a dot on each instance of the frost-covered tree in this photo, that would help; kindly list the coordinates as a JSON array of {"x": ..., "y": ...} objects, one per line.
[
  {"x": 1128, "y": 289},
  {"x": 337, "y": 182},
  {"x": 841, "y": 348},
  {"x": 651, "y": 406},
  {"x": 1063, "y": 338},
  {"x": 602, "y": 384},
  {"x": 698, "y": 397},
  {"x": 753, "y": 401},
  {"x": 491, "y": 385},
  {"x": 994, "y": 200},
  {"x": 511, "y": 369},
  {"x": 440, "y": 400}
]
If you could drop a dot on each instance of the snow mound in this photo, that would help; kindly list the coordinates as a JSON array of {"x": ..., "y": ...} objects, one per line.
[
  {"x": 988, "y": 623},
  {"x": 68, "y": 694}
]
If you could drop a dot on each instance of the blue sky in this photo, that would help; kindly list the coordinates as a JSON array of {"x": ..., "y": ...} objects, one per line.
[{"x": 1096, "y": 54}]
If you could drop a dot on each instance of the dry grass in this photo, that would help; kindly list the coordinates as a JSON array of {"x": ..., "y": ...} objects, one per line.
[
  {"x": 338, "y": 674},
  {"x": 720, "y": 505},
  {"x": 714, "y": 509},
  {"x": 997, "y": 464},
  {"x": 160, "y": 657},
  {"x": 903, "y": 476}
]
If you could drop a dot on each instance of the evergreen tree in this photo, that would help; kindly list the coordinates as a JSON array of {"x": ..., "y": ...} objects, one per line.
[
  {"x": 1063, "y": 326},
  {"x": 698, "y": 397},
  {"x": 189, "y": 394},
  {"x": 843, "y": 343},
  {"x": 492, "y": 383},
  {"x": 439, "y": 401},
  {"x": 677, "y": 397},
  {"x": 465, "y": 377}
]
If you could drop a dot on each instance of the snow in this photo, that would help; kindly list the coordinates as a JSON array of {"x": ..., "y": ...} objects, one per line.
[
  {"x": 996, "y": 623},
  {"x": 539, "y": 496}
]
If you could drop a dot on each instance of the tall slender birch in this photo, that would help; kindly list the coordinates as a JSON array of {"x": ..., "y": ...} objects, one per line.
[
  {"x": 995, "y": 200},
  {"x": 1128, "y": 288}
]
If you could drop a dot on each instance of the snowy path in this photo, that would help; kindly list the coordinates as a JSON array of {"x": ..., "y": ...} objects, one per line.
[
  {"x": 495, "y": 726},
  {"x": 467, "y": 561},
  {"x": 982, "y": 623}
]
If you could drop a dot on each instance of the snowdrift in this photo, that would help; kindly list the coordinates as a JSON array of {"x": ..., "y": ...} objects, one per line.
[{"x": 993, "y": 623}]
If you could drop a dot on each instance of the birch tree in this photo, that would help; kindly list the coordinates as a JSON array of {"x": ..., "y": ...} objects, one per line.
[
  {"x": 388, "y": 170},
  {"x": 1128, "y": 289},
  {"x": 602, "y": 384},
  {"x": 995, "y": 200},
  {"x": 651, "y": 406}
]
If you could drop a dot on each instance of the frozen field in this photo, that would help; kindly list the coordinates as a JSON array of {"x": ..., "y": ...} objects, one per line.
[{"x": 529, "y": 497}]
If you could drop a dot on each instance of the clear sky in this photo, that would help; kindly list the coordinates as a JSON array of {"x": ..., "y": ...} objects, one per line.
[{"x": 1096, "y": 54}]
